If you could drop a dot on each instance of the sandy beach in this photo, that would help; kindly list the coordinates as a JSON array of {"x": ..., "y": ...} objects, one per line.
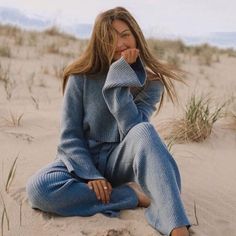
[{"x": 30, "y": 106}]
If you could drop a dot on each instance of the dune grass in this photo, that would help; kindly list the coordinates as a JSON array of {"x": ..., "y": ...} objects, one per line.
[
  {"x": 55, "y": 31},
  {"x": 10, "y": 177},
  {"x": 195, "y": 213},
  {"x": 36, "y": 102},
  {"x": 11, "y": 174},
  {"x": 13, "y": 119},
  {"x": 4, "y": 216},
  {"x": 197, "y": 121},
  {"x": 4, "y": 73},
  {"x": 8, "y": 83},
  {"x": 9, "y": 30},
  {"x": 20, "y": 213},
  {"x": 5, "y": 51}
]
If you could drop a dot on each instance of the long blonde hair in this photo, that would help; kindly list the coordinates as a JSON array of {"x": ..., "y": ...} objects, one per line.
[{"x": 100, "y": 50}]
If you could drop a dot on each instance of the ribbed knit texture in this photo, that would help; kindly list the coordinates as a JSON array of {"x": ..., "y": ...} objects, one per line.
[
  {"x": 103, "y": 109},
  {"x": 143, "y": 157},
  {"x": 105, "y": 133},
  {"x": 53, "y": 189}
]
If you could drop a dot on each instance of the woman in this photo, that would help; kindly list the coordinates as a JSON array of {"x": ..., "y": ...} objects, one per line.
[{"x": 110, "y": 157}]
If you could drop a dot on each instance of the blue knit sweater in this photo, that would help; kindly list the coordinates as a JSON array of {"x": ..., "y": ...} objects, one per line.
[{"x": 103, "y": 108}]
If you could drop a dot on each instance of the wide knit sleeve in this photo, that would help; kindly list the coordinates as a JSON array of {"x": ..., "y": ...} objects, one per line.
[
  {"x": 116, "y": 92},
  {"x": 73, "y": 149}
]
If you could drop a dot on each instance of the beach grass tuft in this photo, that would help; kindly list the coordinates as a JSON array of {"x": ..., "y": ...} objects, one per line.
[
  {"x": 13, "y": 119},
  {"x": 197, "y": 122}
]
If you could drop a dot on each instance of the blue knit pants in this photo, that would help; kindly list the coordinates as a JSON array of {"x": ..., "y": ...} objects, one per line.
[{"x": 141, "y": 157}]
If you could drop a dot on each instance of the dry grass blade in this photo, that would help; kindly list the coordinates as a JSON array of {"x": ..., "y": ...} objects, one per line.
[
  {"x": 11, "y": 174},
  {"x": 4, "y": 215},
  {"x": 20, "y": 213},
  {"x": 36, "y": 102},
  {"x": 2, "y": 221},
  {"x": 2, "y": 171},
  {"x": 16, "y": 120},
  {"x": 195, "y": 213}
]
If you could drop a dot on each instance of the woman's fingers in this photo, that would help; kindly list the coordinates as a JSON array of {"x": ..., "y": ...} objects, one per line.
[
  {"x": 107, "y": 190},
  {"x": 102, "y": 189},
  {"x": 130, "y": 55},
  {"x": 90, "y": 185},
  {"x": 96, "y": 189},
  {"x": 134, "y": 54}
]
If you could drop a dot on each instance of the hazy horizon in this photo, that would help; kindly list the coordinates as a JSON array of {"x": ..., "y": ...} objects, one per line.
[{"x": 185, "y": 17}]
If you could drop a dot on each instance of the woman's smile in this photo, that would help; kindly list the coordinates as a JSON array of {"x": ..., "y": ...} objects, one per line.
[{"x": 120, "y": 51}]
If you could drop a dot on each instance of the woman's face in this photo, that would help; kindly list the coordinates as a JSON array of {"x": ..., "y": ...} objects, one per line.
[{"x": 125, "y": 38}]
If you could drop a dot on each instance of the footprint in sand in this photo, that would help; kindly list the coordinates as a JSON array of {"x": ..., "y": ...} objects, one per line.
[
  {"x": 19, "y": 195},
  {"x": 114, "y": 232}
]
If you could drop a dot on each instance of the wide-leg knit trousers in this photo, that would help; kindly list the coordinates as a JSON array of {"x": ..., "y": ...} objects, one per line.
[{"x": 141, "y": 157}]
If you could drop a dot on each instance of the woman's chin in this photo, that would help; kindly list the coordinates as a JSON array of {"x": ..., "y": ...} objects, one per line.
[{"x": 115, "y": 58}]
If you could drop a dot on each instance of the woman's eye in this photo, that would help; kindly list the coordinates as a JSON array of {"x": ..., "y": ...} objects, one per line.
[{"x": 125, "y": 35}]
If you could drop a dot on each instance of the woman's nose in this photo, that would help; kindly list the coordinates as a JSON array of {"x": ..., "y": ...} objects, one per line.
[{"x": 120, "y": 42}]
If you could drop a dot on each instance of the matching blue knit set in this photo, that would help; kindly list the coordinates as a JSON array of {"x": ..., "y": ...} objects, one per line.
[{"x": 106, "y": 133}]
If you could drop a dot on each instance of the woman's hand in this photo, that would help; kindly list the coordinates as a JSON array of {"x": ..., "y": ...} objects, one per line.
[
  {"x": 102, "y": 189},
  {"x": 130, "y": 55}
]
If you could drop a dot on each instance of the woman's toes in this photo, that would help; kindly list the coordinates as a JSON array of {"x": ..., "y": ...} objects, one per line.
[{"x": 144, "y": 201}]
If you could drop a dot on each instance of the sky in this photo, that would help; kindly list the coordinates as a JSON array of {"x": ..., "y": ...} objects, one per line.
[{"x": 177, "y": 17}]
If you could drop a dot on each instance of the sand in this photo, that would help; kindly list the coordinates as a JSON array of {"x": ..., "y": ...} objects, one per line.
[{"x": 207, "y": 168}]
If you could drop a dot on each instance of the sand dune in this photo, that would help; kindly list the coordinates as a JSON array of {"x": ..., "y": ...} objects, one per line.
[{"x": 207, "y": 168}]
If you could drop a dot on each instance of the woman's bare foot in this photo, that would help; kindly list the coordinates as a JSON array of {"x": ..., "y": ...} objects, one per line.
[
  {"x": 181, "y": 231},
  {"x": 143, "y": 200}
]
